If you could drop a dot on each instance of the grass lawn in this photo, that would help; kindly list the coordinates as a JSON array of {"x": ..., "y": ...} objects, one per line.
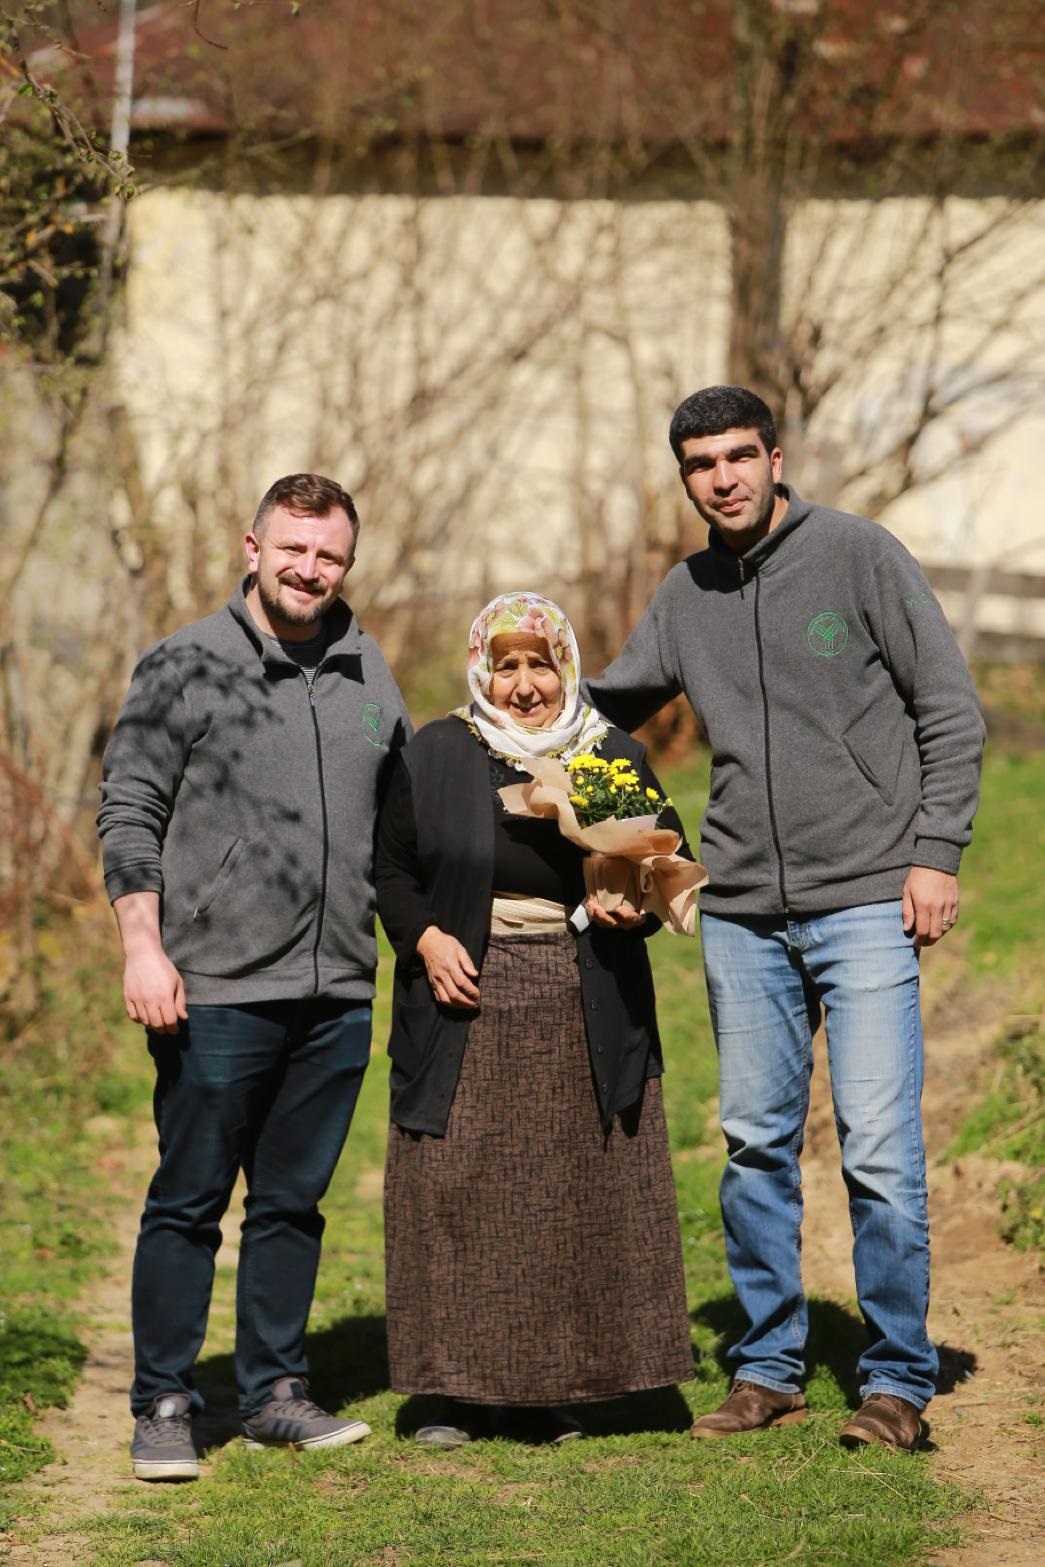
[{"x": 639, "y": 1491}]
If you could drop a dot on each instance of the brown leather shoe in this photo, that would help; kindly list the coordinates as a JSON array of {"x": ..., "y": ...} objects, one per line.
[
  {"x": 882, "y": 1417},
  {"x": 751, "y": 1408}
]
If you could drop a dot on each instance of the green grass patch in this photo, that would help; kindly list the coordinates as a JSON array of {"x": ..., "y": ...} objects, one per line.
[
  {"x": 638, "y": 1491},
  {"x": 1001, "y": 885},
  {"x": 59, "y": 1073},
  {"x": 630, "y": 1502},
  {"x": 40, "y": 1358},
  {"x": 1009, "y": 1123},
  {"x": 1003, "y": 911}
]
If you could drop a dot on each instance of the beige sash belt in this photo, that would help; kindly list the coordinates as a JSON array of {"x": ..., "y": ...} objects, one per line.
[{"x": 514, "y": 914}]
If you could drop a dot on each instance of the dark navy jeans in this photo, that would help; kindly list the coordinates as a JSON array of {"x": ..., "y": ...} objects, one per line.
[{"x": 269, "y": 1089}]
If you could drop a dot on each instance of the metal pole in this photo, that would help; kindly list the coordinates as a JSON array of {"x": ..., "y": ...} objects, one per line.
[{"x": 119, "y": 142}]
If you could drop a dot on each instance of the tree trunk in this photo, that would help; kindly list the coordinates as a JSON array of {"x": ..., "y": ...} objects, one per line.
[{"x": 770, "y": 49}]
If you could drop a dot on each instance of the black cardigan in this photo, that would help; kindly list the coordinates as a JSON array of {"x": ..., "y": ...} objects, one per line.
[{"x": 449, "y": 864}]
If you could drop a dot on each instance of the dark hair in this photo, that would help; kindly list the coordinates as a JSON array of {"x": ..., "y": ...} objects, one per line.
[
  {"x": 717, "y": 409},
  {"x": 310, "y": 494}
]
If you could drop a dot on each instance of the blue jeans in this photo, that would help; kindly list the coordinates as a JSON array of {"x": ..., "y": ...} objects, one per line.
[
  {"x": 768, "y": 980},
  {"x": 269, "y": 1089}
]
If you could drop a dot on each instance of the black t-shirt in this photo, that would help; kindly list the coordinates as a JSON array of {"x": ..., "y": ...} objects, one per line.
[{"x": 531, "y": 857}]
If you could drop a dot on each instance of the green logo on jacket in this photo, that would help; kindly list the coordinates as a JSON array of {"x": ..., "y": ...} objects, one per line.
[
  {"x": 827, "y": 635},
  {"x": 370, "y": 721}
]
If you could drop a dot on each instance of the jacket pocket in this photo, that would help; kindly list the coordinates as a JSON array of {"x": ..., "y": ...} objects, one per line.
[
  {"x": 875, "y": 742},
  {"x": 211, "y": 893}
]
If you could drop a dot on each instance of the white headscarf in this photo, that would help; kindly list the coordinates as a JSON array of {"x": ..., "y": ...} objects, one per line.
[{"x": 577, "y": 728}]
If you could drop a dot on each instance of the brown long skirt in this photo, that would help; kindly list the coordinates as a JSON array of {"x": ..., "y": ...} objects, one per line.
[{"x": 532, "y": 1258}]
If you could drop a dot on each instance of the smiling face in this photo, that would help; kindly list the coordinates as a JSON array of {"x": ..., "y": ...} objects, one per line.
[
  {"x": 299, "y": 563},
  {"x": 731, "y": 479},
  {"x": 524, "y": 682}
]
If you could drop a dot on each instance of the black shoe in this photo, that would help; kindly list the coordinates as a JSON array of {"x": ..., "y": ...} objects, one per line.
[
  {"x": 561, "y": 1427},
  {"x": 162, "y": 1446},
  {"x": 543, "y": 1425},
  {"x": 291, "y": 1419}
]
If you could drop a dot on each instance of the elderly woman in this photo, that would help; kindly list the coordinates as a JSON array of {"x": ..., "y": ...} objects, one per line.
[{"x": 533, "y": 1254}]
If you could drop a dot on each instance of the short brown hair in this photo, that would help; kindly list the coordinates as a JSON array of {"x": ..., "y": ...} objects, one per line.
[{"x": 310, "y": 494}]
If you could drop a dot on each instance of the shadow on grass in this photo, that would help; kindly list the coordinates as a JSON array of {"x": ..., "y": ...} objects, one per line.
[
  {"x": 836, "y": 1338},
  {"x": 660, "y": 1409},
  {"x": 40, "y": 1357},
  {"x": 348, "y": 1360}
]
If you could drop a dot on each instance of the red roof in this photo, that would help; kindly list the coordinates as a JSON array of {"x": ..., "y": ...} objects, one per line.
[{"x": 629, "y": 71}]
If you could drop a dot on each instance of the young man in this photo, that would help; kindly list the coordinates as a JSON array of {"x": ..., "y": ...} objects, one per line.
[
  {"x": 239, "y": 795},
  {"x": 846, "y": 741}
]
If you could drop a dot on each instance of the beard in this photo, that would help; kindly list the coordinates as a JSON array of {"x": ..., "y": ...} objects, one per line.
[
  {"x": 757, "y": 523},
  {"x": 278, "y": 607}
]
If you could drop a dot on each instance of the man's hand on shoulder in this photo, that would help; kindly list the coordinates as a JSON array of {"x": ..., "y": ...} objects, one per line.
[
  {"x": 930, "y": 904},
  {"x": 153, "y": 991}
]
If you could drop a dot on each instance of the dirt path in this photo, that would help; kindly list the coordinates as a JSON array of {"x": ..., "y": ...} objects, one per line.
[
  {"x": 88, "y": 1436},
  {"x": 987, "y": 1303},
  {"x": 987, "y": 1297},
  {"x": 92, "y": 1474}
]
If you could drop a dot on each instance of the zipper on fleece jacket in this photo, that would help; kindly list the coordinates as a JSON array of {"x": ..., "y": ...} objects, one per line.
[
  {"x": 310, "y": 686},
  {"x": 765, "y": 724}
]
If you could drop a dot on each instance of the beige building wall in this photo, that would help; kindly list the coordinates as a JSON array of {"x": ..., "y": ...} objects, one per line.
[
  {"x": 481, "y": 373},
  {"x": 949, "y": 297},
  {"x": 493, "y": 377}
]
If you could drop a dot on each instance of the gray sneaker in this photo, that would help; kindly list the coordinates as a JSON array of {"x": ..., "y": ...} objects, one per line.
[
  {"x": 162, "y": 1446},
  {"x": 291, "y": 1419}
]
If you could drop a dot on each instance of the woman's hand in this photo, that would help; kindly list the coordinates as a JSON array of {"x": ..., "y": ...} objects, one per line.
[
  {"x": 451, "y": 972},
  {"x": 624, "y": 917}
]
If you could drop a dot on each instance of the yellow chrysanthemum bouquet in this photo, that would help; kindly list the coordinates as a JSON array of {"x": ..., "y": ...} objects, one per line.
[
  {"x": 604, "y": 789},
  {"x": 604, "y": 808}
]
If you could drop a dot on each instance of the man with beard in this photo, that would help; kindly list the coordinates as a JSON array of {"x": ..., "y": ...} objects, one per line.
[
  {"x": 239, "y": 793},
  {"x": 846, "y": 740}
]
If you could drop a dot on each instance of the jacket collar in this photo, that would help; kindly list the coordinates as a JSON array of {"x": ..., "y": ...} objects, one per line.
[
  {"x": 344, "y": 638},
  {"x": 756, "y": 558}
]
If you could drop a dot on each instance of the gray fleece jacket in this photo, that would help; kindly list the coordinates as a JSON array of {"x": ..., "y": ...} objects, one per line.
[
  {"x": 845, "y": 730},
  {"x": 247, "y": 801}
]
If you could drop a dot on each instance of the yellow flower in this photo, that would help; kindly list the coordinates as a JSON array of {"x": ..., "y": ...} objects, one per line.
[
  {"x": 577, "y": 799},
  {"x": 651, "y": 794},
  {"x": 613, "y": 788}
]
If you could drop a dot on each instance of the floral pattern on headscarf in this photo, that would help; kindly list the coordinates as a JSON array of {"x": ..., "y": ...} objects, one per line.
[
  {"x": 524, "y": 615},
  {"x": 577, "y": 728}
]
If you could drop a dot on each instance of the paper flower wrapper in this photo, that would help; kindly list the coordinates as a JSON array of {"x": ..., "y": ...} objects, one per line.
[{"x": 627, "y": 859}]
